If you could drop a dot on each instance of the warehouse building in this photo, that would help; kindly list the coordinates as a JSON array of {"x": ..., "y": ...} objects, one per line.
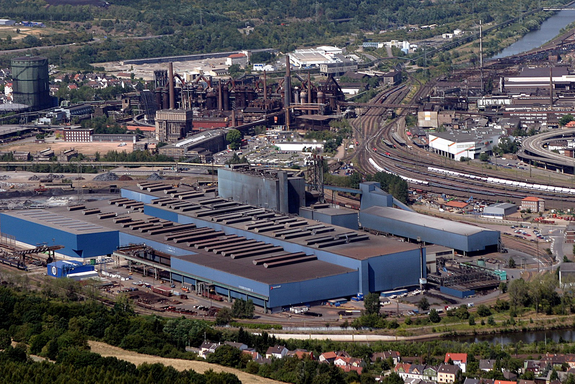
[
  {"x": 470, "y": 143},
  {"x": 242, "y": 251},
  {"x": 378, "y": 214},
  {"x": 499, "y": 210}
]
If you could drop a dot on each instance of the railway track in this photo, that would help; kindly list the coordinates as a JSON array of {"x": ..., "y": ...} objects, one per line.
[{"x": 413, "y": 164}]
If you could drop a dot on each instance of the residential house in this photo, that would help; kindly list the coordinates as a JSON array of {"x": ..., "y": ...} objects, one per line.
[
  {"x": 327, "y": 357},
  {"x": 447, "y": 373},
  {"x": 415, "y": 372},
  {"x": 504, "y": 382},
  {"x": 486, "y": 365},
  {"x": 394, "y": 355},
  {"x": 277, "y": 351},
  {"x": 469, "y": 380},
  {"x": 301, "y": 354},
  {"x": 534, "y": 366},
  {"x": 240, "y": 346},
  {"x": 402, "y": 369},
  {"x": 349, "y": 363},
  {"x": 459, "y": 359},
  {"x": 208, "y": 348},
  {"x": 430, "y": 373}
]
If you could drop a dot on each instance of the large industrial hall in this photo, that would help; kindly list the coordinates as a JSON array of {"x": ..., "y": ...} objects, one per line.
[{"x": 193, "y": 236}]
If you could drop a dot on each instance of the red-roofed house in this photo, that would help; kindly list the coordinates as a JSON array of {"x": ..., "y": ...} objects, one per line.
[
  {"x": 459, "y": 359},
  {"x": 301, "y": 354},
  {"x": 504, "y": 382},
  {"x": 402, "y": 368},
  {"x": 456, "y": 204},
  {"x": 327, "y": 357},
  {"x": 237, "y": 58},
  {"x": 532, "y": 203},
  {"x": 349, "y": 363}
]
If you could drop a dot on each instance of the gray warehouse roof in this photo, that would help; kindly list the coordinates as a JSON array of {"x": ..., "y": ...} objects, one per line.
[
  {"x": 370, "y": 246},
  {"x": 423, "y": 220},
  {"x": 80, "y": 222}
]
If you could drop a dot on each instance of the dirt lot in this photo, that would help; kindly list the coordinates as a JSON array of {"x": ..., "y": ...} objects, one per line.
[
  {"x": 88, "y": 149},
  {"x": 107, "y": 350}
]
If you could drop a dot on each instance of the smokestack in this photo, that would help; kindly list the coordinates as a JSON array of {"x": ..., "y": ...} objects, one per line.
[
  {"x": 220, "y": 96},
  {"x": 287, "y": 91},
  {"x": 171, "y": 85},
  {"x": 551, "y": 86},
  {"x": 265, "y": 89},
  {"x": 309, "y": 91},
  {"x": 287, "y": 83}
]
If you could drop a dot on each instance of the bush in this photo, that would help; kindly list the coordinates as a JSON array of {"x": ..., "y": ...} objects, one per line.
[
  {"x": 434, "y": 316},
  {"x": 483, "y": 310}
]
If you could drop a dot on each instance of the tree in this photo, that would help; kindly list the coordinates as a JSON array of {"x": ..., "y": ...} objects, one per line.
[
  {"x": 484, "y": 157},
  {"x": 511, "y": 262},
  {"x": 371, "y": 303},
  {"x": 518, "y": 293},
  {"x": 483, "y": 310},
  {"x": 243, "y": 309},
  {"x": 566, "y": 119},
  {"x": 434, "y": 316},
  {"x": 423, "y": 304},
  {"x": 226, "y": 355},
  {"x": 224, "y": 316},
  {"x": 234, "y": 138},
  {"x": 5, "y": 339}
]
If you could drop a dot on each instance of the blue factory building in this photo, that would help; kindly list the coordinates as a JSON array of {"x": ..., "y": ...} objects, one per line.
[
  {"x": 378, "y": 214},
  {"x": 238, "y": 250}
]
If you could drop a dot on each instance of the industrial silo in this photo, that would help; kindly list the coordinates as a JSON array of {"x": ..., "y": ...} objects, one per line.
[{"x": 31, "y": 82}]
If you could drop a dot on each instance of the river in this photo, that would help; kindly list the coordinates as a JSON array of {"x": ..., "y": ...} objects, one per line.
[
  {"x": 525, "y": 337},
  {"x": 549, "y": 29}
]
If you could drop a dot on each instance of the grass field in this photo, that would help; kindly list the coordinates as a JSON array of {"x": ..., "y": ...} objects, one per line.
[{"x": 107, "y": 350}]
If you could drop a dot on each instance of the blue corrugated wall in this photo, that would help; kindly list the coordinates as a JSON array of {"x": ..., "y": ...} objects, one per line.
[{"x": 84, "y": 245}]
